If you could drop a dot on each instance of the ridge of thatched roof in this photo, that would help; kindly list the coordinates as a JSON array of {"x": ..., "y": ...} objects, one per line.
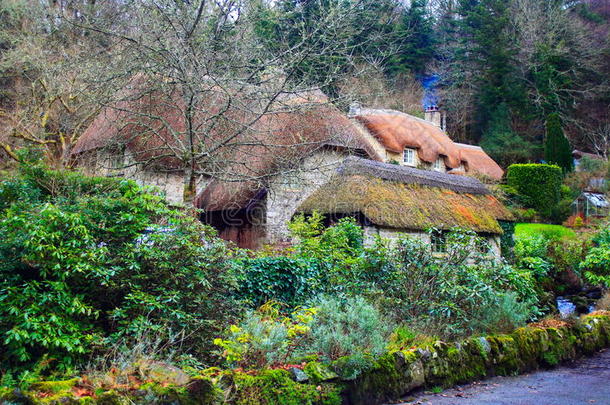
[
  {"x": 410, "y": 175},
  {"x": 396, "y": 131},
  {"x": 407, "y": 206}
]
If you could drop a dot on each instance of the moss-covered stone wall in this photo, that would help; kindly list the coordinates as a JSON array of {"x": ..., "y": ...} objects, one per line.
[
  {"x": 442, "y": 364},
  {"x": 393, "y": 376}
]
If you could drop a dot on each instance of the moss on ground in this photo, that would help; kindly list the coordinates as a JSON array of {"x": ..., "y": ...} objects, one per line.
[{"x": 275, "y": 387}]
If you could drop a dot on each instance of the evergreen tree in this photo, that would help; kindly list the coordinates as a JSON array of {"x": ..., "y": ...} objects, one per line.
[
  {"x": 502, "y": 143},
  {"x": 415, "y": 39},
  {"x": 556, "y": 146},
  {"x": 483, "y": 60}
]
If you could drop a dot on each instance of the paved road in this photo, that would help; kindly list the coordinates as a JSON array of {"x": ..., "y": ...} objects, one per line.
[{"x": 586, "y": 381}]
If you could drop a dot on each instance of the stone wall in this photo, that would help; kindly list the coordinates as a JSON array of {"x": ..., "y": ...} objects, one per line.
[
  {"x": 371, "y": 232},
  {"x": 116, "y": 164},
  {"x": 287, "y": 191},
  {"x": 446, "y": 364}
]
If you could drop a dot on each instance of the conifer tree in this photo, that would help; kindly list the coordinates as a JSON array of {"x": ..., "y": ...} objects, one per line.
[
  {"x": 415, "y": 39},
  {"x": 556, "y": 146}
]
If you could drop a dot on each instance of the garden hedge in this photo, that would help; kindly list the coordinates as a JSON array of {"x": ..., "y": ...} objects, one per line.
[
  {"x": 393, "y": 375},
  {"x": 539, "y": 183}
]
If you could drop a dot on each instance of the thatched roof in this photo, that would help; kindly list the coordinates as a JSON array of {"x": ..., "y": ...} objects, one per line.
[
  {"x": 410, "y": 200},
  {"x": 477, "y": 161},
  {"x": 397, "y": 131},
  {"x": 152, "y": 126},
  {"x": 410, "y": 175}
]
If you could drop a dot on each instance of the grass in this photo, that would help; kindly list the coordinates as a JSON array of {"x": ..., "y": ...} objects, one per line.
[{"x": 546, "y": 230}]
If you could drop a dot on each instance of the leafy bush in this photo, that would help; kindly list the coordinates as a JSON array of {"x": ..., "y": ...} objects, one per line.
[
  {"x": 504, "y": 314},
  {"x": 351, "y": 330},
  {"x": 265, "y": 337},
  {"x": 596, "y": 265},
  {"x": 85, "y": 262},
  {"x": 329, "y": 260},
  {"x": 339, "y": 250},
  {"x": 532, "y": 245},
  {"x": 286, "y": 279},
  {"x": 446, "y": 295},
  {"x": 540, "y": 183}
]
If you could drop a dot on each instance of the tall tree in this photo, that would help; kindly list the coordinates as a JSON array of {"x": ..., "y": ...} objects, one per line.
[
  {"x": 502, "y": 142},
  {"x": 556, "y": 146},
  {"x": 415, "y": 38}
]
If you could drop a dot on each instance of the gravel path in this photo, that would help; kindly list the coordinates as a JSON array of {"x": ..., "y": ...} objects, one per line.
[{"x": 586, "y": 381}]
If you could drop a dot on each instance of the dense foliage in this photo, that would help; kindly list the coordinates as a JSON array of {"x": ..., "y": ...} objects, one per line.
[
  {"x": 458, "y": 293},
  {"x": 448, "y": 295},
  {"x": 561, "y": 260},
  {"x": 557, "y": 148},
  {"x": 597, "y": 262},
  {"x": 349, "y": 332},
  {"x": 539, "y": 183},
  {"x": 87, "y": 263}
]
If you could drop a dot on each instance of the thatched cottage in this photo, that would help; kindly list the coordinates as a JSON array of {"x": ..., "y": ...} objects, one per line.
[
  {"x": 411, "y": 141},
  {"x": 394, "y": 172}
]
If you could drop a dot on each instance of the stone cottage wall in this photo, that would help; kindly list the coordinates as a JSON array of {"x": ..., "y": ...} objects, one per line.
[
  {"x": 288, "y": 191},
  {"x": 371, "y": 232},
  {"x": 115, "y": 164}
]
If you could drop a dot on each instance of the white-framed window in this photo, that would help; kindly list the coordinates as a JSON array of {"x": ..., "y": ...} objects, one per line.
[
  {"x": 439, "y": 164},
  {"x": 408, "y": 156}
]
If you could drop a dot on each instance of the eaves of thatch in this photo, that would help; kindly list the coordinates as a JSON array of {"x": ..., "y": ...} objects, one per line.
[{"x": 410, "y": 199}]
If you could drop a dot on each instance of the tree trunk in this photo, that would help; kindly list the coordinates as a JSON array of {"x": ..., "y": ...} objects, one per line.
[{"x": 190, "y": 187}]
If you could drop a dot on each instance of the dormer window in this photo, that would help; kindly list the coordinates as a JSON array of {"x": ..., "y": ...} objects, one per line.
[
  {"x": 439, "y": 164},
  {"x": 408, "y": 157}
]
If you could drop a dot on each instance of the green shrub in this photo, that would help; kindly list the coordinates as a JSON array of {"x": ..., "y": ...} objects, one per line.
[
  {"x": 504, "y": 314},
  {"x": 338, "y": 249},
  {"x": 596, "y": 265},
  {"x": 285, "y": 279},
  {"x": 538, "y": 182},
  {"x": 351, "y": 331},
  {"x": 329, "y": 260},
  {"x": 87, "y": 262},
  {"x": 446, "y": 295},
  {"x": 265, "y": 337}
]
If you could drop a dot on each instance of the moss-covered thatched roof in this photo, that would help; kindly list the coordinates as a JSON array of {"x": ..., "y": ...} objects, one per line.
[{"x": 410, "y": 204}]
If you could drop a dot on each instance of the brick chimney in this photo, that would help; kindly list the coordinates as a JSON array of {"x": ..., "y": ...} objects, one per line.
[{"x": 435, "y": 116}]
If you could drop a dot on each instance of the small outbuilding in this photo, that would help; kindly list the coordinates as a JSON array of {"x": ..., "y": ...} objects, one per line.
[{"x": 591, "y": 205}]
